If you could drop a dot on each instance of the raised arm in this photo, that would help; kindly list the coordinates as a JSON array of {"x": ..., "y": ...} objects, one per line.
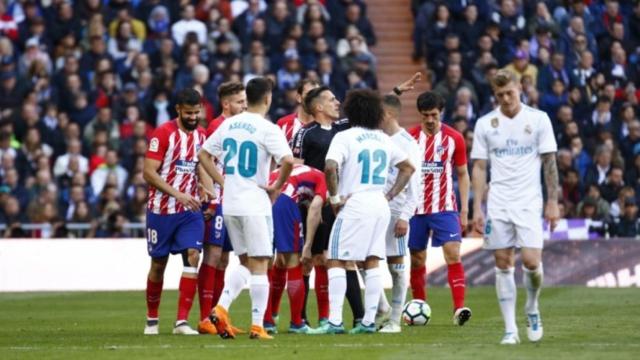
[
  {"x": 550, "y": 171},
  {"x": 479, "y": 183}
]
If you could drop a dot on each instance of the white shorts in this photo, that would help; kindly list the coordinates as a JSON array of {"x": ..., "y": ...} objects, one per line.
[
  {"x": 507, "y": 228},
  {"x": 251, "y": 235},
  {"x": 396, "y": 246},
  {"x": 357, "y": 239}
]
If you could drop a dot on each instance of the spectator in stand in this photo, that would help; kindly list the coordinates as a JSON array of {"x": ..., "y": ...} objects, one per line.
[
  {"x": 629, "y": 224},
  {"x": 597, "y": 173},
  {"x": 109, "y": 173},
  {"x": 617, "y": 206},
  {"x": 103, "y": 121},
  {"x": 592, "y": 198},
  {"x": 613, "y": 184},
  {"x": 448, "y": 87},
  {"x": 74, "y": 151},
  {"x": 353, "y": 16},
  {"x": 12, "y": 216}
]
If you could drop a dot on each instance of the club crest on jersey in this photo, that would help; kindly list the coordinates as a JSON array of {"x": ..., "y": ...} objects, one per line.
[
  {"x": 440, "y": 149},
  {"x": 495, "y": 122},
  {"x": 528, "y": 129},
  {"x": 198, "y": 147},
  {"x": 154, "y": 145}
]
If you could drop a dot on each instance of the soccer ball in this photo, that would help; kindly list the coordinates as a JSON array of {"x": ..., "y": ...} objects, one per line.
[{"x": 416, "y": 312}]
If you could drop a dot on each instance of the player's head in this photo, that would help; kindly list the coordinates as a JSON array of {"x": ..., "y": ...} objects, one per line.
[
  {"x": 363, "y": 108},
  {"x": 189, "y": 108},
  {"x": 232, "y": 98},
  {"x": 259, "y": 92},
  {"x": 506, "y": 90},
  {"x": 430, "y": 106},
  {"x": 321, "y": 102},
  {"x": 392, "y": 107},
  {"x": 303, "y": 89}
]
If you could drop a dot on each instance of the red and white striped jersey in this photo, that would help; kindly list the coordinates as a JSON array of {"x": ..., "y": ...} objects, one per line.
[
  {"x": 441, "y": 154},
  {"x": 217, "y": 190},
  {"x": 178, "y": 152},
  {"x": 303, "y": 184},
  {"x": 289, "y": 124}
]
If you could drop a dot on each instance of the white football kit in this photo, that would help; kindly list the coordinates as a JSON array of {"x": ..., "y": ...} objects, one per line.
[
  {"x": 364, "y": 157},
  {"x": 403, "y": 206},
  {"x": 245, "y": 144},
  {"x": 513, "y": 148}
]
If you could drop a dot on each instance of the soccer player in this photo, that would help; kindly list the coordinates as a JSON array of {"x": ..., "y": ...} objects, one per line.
[
  {"x": 516, "y": 140},
  {"x": 174, "y": 222},
  {"x": 443, "y": 151},
  {"x": 305, "y": 188},
  {"x": 215, "y": 257},
  {"x": 292, "y": 123},
  {"x": 360, "y": 157},
  {"x": 247, "y": 144},
  {"x": 402, "y": 207}
]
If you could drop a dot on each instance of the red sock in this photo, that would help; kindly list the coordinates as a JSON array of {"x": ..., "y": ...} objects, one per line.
[
  {"x": 456, "y": 283},
  {"x": 154, "y": 291},
  {"x": 419, "y": 283},
  {"x": 278, "y": 283},
  {"x": 218, "y": 285},
  {"x": 322, "y": 291},
  {"x": 187, "y": 289},
  {"x": 206, "y": 279},
  {"x": 268, "y": 315},
  {"x": 295, "y": 290}
]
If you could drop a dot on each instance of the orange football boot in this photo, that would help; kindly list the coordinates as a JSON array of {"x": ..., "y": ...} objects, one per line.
[
  {"x": 206, "y": 327},
  {"x": 220, "y": 319},
  {"x": 258, "y": 332}
]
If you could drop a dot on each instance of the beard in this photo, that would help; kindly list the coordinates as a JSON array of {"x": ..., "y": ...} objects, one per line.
[{"x": 189, "y": 125}]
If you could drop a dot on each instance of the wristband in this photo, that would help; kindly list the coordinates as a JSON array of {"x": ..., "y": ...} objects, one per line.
[
  {"x": 397, "y": 91},
  {"x": 335, "y": 199}
]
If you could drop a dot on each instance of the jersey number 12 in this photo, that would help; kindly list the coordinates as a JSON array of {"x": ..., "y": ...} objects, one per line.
[{"x": 379, "y": 159}]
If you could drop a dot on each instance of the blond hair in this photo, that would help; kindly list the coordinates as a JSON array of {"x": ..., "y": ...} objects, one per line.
[{"x": 502, "y": 78}]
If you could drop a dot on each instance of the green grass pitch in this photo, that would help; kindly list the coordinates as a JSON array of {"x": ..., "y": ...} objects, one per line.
[{"x": 580, "y": 323}]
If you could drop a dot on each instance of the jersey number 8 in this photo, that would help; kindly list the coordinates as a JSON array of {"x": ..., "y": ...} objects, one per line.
[
  {"x": 247, "y": 157},
  {"x": 379, "y": 158}
]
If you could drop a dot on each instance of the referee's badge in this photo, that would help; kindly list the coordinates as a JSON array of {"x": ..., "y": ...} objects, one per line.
[
  {"x": 494, "y": 122},
  {"x": 528, "y": 129}
]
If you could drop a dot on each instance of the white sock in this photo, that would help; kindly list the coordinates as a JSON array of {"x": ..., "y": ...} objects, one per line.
[
  {"x": 533, "y": 283},
  {"x": 383, "y": 303},
  {"x": 507, "y": 292},
  {"x": 398, "y": 291},
  {"x": 233, "y": 286},
  {"x": 373, "y": 288},
  {"x": 259, "y": 292},
  {"x": 337, "y": 291}
]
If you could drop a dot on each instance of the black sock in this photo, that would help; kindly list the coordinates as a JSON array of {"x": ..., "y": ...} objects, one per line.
[
  {"x": 305, "y": 278},
  {"x": 354, "y": 296}
]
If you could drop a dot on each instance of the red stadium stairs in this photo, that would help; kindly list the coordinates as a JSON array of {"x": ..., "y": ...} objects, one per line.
[{"x": 393, "y": 24}]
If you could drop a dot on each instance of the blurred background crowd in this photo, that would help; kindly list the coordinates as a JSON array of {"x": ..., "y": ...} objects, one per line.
[{"x": 83, "y": 84}]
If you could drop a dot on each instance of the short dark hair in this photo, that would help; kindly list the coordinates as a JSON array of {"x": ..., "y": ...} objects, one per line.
[
  {"x": 363, "y": 107},
  {"x": 229, "y": 88},
  {"x": 311, "y": 97},
  {"x": 392, "y": 101},
  {"x": 188, "y": 96},
  {"x": 429, "y": 100},
  {"x": 257, "y": 89},
  {"x": 306, "y": 82}
]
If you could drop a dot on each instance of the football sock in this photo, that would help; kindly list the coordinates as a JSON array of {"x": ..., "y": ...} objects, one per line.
[
  {"x": 295, "y": 290},
  {"x": 233, "y": 287},
  {"x": 373, "y": 288},
  {"x": 419, "y": 283},
  {"x": 268, "y": 318},
  {"x": 398, "y": 291},
  {"x": 206, "y": 279},
  {"x": 322, "y": 292},
  {"x": 457, "y": 284},
  {"x": 153, "y": 293},
  {"x": 278, "y": 282},
  {"x": 337, "y": 289},
  {"x": 259, "y": 292},
  {"x": 305, "y": 279},
  {"x": 354, "y": 296},
  {"x": 506, "y": 291},
  {"x": 187, "y": 291},
  {"x": 218, "y": 285},
  {"x": 533, "y": 284}
]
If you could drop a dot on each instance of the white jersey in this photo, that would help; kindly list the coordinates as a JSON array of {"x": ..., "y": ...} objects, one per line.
[
  {"x": 364, "y": 157},
  {"x": 404, "y": 204},
  {"x": 245, "y": 144},
  {"x": 513, "y": 148}
]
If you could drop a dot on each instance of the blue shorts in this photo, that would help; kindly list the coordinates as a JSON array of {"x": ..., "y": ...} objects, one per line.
[
  {"x": 216, "y": 232},
  {"x": 445, "y": 227},
  {"x": 174, "y": 233},
  {"x": 287, "y": 226}
]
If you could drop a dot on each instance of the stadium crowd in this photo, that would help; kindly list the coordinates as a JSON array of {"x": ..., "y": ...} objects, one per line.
[{"x": 83, "y": 83}]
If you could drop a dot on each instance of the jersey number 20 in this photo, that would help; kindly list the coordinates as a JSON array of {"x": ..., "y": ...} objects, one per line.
[
  {"x": 247, "y": 157},
  {"x": 379, "y": 158}
]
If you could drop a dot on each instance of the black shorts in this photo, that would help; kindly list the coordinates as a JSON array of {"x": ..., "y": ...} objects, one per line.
[{"x": 321, "y": 240}]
